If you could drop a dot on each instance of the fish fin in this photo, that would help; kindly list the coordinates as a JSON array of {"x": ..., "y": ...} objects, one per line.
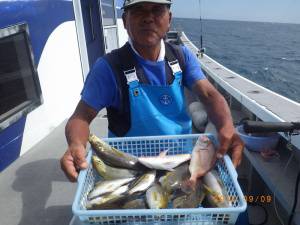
[
  {"x": 169, "y": 169},
  {"x": 163, "y": 153},
  {"x": 134, "y": 182},
  {"x": 143, "y": 161}
]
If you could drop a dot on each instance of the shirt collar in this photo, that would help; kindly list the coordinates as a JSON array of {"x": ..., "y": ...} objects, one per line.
[{"x": 162, "y": 53}]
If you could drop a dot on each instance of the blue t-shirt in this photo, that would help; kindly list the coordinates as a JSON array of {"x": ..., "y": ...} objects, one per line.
[{"x": 101, "y": 90}]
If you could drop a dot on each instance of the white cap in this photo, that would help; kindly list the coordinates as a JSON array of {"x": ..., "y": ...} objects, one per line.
[{"x": 128, "y": 3}]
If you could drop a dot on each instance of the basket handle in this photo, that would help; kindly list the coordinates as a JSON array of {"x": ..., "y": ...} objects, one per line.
[
  {"x": 82, "y": 173},
  {"x": 230, "y": 167}
]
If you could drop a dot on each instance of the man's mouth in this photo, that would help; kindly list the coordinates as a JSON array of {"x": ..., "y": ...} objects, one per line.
[{"x": 148, "y": 30}]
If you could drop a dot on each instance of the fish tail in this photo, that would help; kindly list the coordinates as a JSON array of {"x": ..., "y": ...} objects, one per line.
[
  {"x": 89, "y": 205},
  {"x": 218, "y": 197}
]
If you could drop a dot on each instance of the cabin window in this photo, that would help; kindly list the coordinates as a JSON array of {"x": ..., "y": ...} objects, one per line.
[
  {"x": 109, "y": 23},
  {"x": 108, "y": 12},
  {"x": 20, "y": 90}
]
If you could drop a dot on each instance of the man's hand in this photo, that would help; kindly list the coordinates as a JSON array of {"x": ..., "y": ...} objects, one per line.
[
  {"x": 73, "y": 161},
  {"x": 230, "y": 142},
  {"x": 77, "y": 132}
]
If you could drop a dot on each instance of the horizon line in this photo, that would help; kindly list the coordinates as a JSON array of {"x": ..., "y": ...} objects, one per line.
[{"x": 237, "y": 20}]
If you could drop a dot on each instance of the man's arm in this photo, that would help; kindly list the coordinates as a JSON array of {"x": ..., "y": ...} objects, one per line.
[
  {"x": 219, "y": 113},
  {"x": 77, "y": 132}
]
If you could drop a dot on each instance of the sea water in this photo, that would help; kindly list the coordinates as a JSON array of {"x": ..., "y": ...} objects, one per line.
[{"x": 266, "y": 53}]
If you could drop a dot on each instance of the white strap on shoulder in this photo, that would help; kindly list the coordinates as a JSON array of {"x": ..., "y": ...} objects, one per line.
[
  {"x": 131, "y": 75},
  {"x": 175, "y": 67}
]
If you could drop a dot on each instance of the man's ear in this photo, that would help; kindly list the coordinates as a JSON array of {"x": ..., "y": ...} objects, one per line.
[
  {"x": 124, "y": 19},
  {"x": 170, "y": 19}
]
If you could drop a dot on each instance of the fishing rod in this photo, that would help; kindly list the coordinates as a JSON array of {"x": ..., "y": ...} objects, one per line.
[
  {"x": 202, "y": 50},
  {"x": 292, "y": 128}
]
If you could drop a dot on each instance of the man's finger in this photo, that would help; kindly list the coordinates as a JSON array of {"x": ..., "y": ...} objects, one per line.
[
  {"x": 71, "y": 173},
  {"x": 237, "y": 151},
  {"x": 79, "y": 158},
  {"x": 67, "y": 166},
  {"x": 225, "y": 143}
]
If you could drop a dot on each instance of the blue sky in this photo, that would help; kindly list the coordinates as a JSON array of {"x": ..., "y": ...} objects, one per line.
[{"x": 285, "y": 11}]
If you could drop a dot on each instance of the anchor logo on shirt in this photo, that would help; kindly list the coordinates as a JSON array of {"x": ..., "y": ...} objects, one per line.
[{"x": 165, "y": 99}]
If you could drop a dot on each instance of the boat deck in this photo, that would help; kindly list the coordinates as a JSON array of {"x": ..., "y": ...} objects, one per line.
[{"x": 34, "y": 190}]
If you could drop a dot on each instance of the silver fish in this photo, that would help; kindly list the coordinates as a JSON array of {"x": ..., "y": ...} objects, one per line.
[
  {"x": 107, "y": 186},
  {"x": 202, "y": 158},
  {"x": 142, "y": 183},
  {"x": 113, "y": 156},
  {"x": 156, "y": 197},
  {"x": 104, "y": 200},
  {"x": 174, "y": 180},
  {"x": 111, "y": 173},
  {"x": 167, "y": 162},
  {"x": 215, "y": 190}
]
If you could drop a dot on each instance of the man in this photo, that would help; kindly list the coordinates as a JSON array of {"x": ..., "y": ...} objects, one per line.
[{"x": 154, "y": 106}]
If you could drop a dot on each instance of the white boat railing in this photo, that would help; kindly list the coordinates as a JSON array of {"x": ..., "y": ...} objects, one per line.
[{"x": 262, "y": 102}]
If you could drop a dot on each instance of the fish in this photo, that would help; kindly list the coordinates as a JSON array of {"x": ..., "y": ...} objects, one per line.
[
  {"x": 105, "y": 201},
  {"x": 142, "y": 183},
  {"x": 138, "y": 203},
  {"x": 156, "y": 197},
  {"x": 202, "y": 159},
  {"x": 174, "y": 180},
  {"x": 215, "y": 190},
  {"x": 164, "y": 162},
  {"x": 113, "y": 156},
  {"x": 190, "y": 200},
  {"x": 107, "y": 186},
  {"x": 111, "y": 173}
]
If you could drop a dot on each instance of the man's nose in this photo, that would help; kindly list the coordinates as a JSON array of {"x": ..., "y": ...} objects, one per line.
[{"x": 148, "y": 16}]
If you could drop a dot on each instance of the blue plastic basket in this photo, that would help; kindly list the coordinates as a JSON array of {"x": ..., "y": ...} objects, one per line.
[
  {"x": 258, "y": 143},
  {"x": 138, "y": 146}
]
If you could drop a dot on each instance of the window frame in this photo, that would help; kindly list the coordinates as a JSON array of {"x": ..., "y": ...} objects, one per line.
[{"x": 21, "y": 110}]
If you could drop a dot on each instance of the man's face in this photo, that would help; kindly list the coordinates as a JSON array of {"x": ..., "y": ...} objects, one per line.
[{"x": 147, "y": 23}]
